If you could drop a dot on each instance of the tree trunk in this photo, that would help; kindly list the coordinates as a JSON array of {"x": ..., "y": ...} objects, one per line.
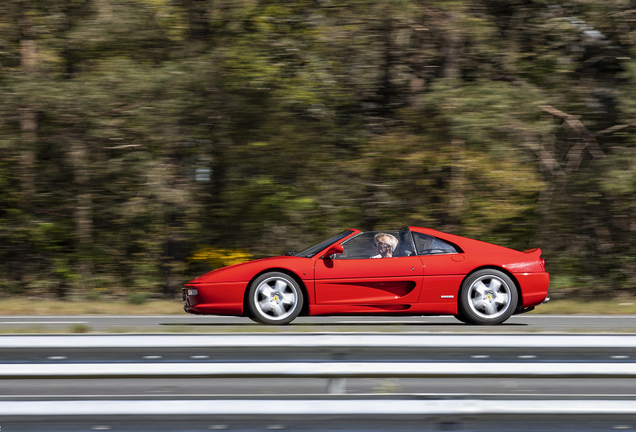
[
  {"x": 27, "y": 113},
  {"x": 387, "y": 92},
  {"x": 457, "y": 185},
  {"x": 198, "y": 19},
  {"x": 84, "y": 207},
  {"x": 78, "y": 156},
  {"x": 452, "y": 49}
]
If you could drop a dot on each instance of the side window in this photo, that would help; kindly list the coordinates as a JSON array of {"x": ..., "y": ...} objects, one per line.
[
  {"x": 359, "y": 247},
  {"x": 428, "y": 245},
  {"x": 362, "y": 246}
]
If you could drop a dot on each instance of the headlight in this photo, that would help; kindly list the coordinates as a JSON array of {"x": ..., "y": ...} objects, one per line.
[{"x": 192, "y": 291}]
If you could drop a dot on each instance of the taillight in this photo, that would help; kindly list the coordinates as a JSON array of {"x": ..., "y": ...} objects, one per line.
[{"x": 543, "y": 264}]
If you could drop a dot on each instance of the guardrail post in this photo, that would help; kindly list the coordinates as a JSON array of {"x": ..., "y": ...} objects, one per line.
[{"x": 337, "y": 386}]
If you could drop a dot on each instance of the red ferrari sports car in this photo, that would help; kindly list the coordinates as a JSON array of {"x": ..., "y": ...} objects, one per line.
[{"x": 411, "y": 271}]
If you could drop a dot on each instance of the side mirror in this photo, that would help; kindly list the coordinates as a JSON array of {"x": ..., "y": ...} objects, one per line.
[{"x": 334, "y": 250}]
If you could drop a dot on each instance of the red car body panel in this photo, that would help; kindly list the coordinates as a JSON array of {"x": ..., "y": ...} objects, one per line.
[
  {"x": 224, "y": 298},
  {"x": 416, "y": 284},
  {"x": 368, "y": 281},
  {"x": 222, "y": 291}
]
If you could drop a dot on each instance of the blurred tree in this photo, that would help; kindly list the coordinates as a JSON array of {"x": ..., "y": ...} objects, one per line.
[{"x": 134, "y": 131}]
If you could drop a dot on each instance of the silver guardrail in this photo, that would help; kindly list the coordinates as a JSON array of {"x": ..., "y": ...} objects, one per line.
[
  {"x": 304, "y": 407},
  {"x": 336, "y": 372},
  {"x": 321, "y": 340},
  {"x": 335, "y": 368},
  {"x": 319, "y": 370}
]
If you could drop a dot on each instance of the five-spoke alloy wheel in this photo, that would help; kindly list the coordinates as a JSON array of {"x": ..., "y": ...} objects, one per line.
[
  {"x": 487, "y": 297},
  {"x": 275, "y": 298}
]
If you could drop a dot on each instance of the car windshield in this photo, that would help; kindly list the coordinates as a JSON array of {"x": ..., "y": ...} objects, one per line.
[{"x": 310, "y": 252}]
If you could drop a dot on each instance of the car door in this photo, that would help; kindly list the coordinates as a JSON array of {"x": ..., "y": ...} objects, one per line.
[
  {"x": 353, "y": 278},
  {"x": 444, "y": 269}
]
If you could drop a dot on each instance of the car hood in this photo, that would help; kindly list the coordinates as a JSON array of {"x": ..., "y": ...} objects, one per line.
[
  {"x": 246, "y": 271},
  {"x": 217, "y": 272}
]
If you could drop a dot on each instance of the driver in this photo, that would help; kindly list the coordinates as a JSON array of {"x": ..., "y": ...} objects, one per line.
[{"x": 384, "y": 245}]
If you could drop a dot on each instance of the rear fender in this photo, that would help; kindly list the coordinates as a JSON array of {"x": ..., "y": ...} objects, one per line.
[{"x": 503, "y": 270}]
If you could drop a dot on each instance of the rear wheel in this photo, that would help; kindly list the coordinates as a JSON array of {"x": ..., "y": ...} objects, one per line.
[
  {"x": 488, "y": 297},
  {"x": 275, "y": 298}
]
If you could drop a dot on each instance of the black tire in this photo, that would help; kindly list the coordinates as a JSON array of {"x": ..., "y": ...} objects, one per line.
[
  {"x": 487, "y": 297},
  {"x": 275, "y": 298},
  {"x": 460, "y": 317}
]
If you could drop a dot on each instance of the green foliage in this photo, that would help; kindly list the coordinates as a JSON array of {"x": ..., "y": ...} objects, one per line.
[
  {"x": 148, "y": 128},
  {"x": 136, "y": 298}
]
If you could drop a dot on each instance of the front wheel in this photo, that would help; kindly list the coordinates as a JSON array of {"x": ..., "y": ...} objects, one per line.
[
  {"x": 460, "y": 317},
  {"x": 275, "y": 298},
  {"x": 488, "y": 297}
]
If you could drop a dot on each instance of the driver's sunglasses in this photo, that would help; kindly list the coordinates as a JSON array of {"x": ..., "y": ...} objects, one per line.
[{"x": 382, "y": 245}]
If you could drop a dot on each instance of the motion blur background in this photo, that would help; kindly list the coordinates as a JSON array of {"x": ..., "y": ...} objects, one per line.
[{"x": 143, "y": 142}]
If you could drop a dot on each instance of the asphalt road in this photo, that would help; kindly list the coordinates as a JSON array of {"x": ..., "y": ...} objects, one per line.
[
  {"x": 432, "y": 388},
  {"x": 334, "y": 423},
  {"x": 527, "y": 323}
]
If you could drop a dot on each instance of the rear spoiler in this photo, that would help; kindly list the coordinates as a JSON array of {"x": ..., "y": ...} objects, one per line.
[
  {"x": 533, "y": 251},
  {"x": 537, "y": 253}
]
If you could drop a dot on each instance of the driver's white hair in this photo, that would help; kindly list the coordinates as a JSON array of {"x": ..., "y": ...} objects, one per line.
[{"x": 391, "y": 240}]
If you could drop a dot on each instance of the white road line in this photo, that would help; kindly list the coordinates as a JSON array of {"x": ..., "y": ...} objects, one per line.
[
  {"x": 578, "y": 317},
  {"x": 44, "y": 322},
  {"x": 122, "y": 316},
  {"x": 18, "y": 397},
  {"x": 381, "y": 322}
]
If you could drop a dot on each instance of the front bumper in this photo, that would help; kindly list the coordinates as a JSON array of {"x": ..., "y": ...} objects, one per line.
[{"x": 214, "y": 298}]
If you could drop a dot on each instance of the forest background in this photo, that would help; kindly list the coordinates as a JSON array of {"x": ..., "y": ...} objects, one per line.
[{"x": 143, "y": 142}]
